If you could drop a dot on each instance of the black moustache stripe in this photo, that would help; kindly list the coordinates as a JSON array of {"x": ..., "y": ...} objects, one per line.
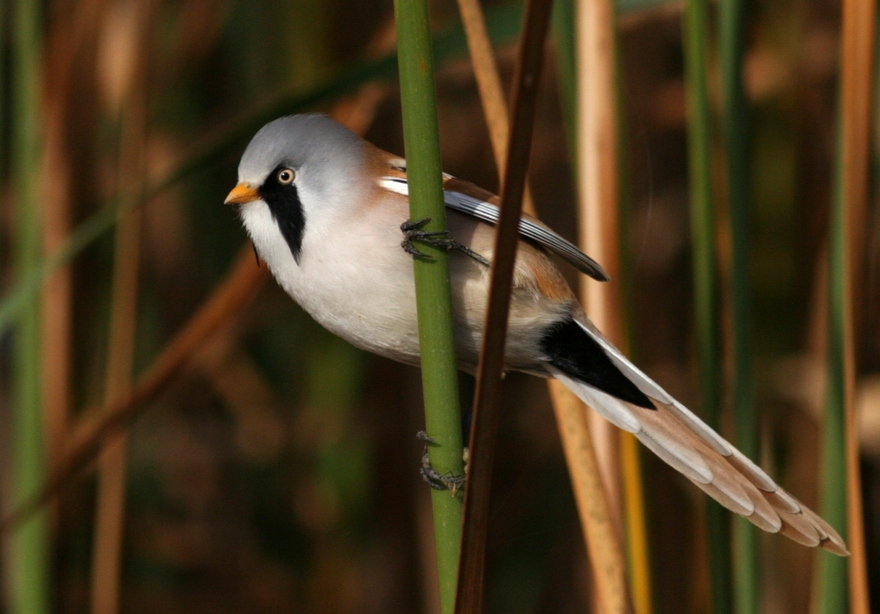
[
  {"x": 287, "y": 210},
  {"x": 571, "y": 350}
]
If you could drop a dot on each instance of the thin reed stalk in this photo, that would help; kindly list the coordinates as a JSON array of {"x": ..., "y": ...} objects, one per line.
[
  {"x": 488, "y": 79},
  {"x": 563, "y": 31},
  {"x": 490, "y": 369},
  {"x": 857, "y": 82},
  {"x": 110, "y": 503},
  {"x": 433, "y": 294},
  {"x": 28, "y": 579},
  {"x": 603, "y": 539},
  {"x": 598, "y": 196},
  {"x": 598, "y": 158},
  {"x": 705, "y": 270},
  {"x": 832, "y": 578},
  {"x": 567, "y": 407},
  {"x": 842, "y": 583},
  {"x": 602, "y": 536},
  {"x": 747, "y": 564},
  {"x": 127, "y": 96}
]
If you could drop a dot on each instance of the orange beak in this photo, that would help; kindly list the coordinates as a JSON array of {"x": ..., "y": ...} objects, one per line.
[{"x": 241, "y": 194}]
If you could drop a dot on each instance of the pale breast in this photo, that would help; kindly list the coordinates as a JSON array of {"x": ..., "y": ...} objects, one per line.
[
  {"x": 356, "y": 280},
  {"x": 362, "y": 289}
]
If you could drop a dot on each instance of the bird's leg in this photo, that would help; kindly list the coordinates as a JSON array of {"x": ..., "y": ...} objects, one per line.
[
  {"x": 412, "y": 231},
  {"x": 435, "y": 479}
]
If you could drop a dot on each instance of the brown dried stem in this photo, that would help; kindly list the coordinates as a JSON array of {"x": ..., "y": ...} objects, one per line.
[
  {"x": 857, "y": 73},
  {"x": 591, "y": 497},
  {"x": 491, "y": 365}
]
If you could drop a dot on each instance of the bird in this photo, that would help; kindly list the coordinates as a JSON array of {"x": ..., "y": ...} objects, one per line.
[{"x": 328, "y": 212}]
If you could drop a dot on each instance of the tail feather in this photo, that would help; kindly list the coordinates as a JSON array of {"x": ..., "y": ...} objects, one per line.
[
  {"x": 690, "y": 446},
  {"x": 781, "y": 500},
  {"x": 831, "y": 541},
  {"x": 758, "y": 477},
  {"x": 800, "y": 528}
]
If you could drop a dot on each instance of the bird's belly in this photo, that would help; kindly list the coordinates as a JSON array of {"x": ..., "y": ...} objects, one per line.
[
  {"x": 382, "y": 318},
  {"x": 364, "y": 292},
  {"x": 368, "y": 302}
]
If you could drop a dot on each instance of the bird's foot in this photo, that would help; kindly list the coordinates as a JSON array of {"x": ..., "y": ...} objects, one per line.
[
  {"x": 448, "y": 481},
  {"x": 412, "y": 231}
]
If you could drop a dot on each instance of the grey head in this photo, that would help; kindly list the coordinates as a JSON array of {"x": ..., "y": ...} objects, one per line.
[
  {"x": 310, "y": 144},
  {"x": 326, "y": 160}
]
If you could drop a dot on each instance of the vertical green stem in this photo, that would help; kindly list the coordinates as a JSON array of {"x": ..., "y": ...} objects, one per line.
[
  {"x": 832, "y": 582},
  {"x": 736, "y": 135},
  {"x": 696, "y": 46},
  {"x": 562, "y": 25},
  {"x": 439, "y": 375},
  {"x": 28, "y": 568}
]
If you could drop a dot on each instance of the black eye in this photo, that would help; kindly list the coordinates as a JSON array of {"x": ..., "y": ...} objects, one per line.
[{"x": 286, "y": 176}]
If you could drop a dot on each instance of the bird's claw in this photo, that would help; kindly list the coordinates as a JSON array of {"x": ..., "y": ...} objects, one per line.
[
  {"x": 412, "y": 231},
  {"x": 434, "y": 478},
  {"x": 423, "y": 436},
  {"x": 438, "y": 481}
]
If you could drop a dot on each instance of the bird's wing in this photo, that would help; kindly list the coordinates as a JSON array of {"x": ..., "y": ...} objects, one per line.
[
  {"x": 483, "y": 205},
  {"x": 690, "y": 446}
]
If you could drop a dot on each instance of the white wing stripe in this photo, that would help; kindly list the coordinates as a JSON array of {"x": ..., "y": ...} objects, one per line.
[
  {"x": 397, "y": 185},
  {"x": 488, "y": 212}
]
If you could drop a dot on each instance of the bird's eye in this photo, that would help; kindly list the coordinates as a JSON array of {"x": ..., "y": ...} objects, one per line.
[{"x": 286, "y": 176}]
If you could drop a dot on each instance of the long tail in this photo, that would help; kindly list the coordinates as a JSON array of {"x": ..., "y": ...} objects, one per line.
[{"x": 687, "y": 443}]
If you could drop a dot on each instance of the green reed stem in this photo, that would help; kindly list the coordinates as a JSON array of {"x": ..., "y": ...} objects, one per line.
[
  {"x": 696, "y": 46},
  {"x": 29, "y": 546},
  {"x": 433, "y": 295}
]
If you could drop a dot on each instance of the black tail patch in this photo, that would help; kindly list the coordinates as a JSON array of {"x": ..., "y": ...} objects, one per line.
[{"x": 570, "y": 349}]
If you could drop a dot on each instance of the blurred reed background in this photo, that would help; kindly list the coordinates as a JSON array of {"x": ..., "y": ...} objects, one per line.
[{"x": 273, "y": 467}]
